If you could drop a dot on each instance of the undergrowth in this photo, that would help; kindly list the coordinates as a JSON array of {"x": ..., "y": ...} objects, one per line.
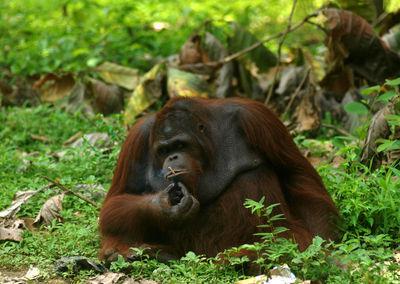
[{"x": 369, "y": 203}]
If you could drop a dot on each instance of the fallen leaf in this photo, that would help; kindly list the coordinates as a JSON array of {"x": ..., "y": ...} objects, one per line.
[
  {"x": 50, "y": 210},
  {"x": 291, "y": 77},
  {"x": 10, "y": 234},
  {"x": 20, "y": 198},
  {"x": 96, "y": 139},
  {"x": 278, "y": 275},
  {"x": 108, "y": 98},
  {"x": 306, "y": 114},
  {"x": 191, "y": 52},
  {"x": 378, "y": 128},
  {"x": 185, "y": 84},
  {"x": 78, "y": 100},
  {"x": 223, "y": 77},
  {"x": 122, "y": 76},
  {"x": 53, "y": 87},
  {"x": 107, "y": 278},
  {"x": 32, "y": 274},
  {"x": 146, "y": 93},
  {"x": 29, "y": 223}
]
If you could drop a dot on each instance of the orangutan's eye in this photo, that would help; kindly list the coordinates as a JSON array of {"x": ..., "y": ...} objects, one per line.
[{"x": 202, "y": 128}]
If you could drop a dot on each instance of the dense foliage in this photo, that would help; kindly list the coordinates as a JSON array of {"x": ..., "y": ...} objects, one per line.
[{"x": 40, "y": 36}]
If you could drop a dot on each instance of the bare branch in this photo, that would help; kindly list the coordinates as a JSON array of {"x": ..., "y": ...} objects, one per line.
[
  {"x": 69, "y": 191},
  {"x": 296, "y": 92},
  {"x": 257, "y": 44},
  {"x": 278, "y": 61},
  {"x": 341, "y": 131}
]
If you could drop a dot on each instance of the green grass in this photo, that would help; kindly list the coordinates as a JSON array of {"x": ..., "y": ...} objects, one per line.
[
  {"x": 369, "y": 204},
  {"x": 78, "y": 234}
]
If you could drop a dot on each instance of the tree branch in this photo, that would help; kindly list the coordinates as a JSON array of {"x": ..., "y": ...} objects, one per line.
[{"x": 215, "y": 64}]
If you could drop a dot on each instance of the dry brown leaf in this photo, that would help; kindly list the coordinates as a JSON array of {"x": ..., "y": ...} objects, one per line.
[
  {"x": 50, "y": 210},
  {"x": 306, "y": 114},
  {"x": 54, "y": 87},
  {"x": 378, "y": 128},
  {"x": 32, "y": 274},
  {"x": 78, "y": 100},
  {"x": 10, "y": 234},
  {"x": 223, "y": 77},
  {"x": 20, "y": 198},
  {"x": 108, "y": 98},
  {"x": 96, "y": 139},
  {"x": 29, "y": 223},
  {"x": 107, "y": 278},
  {"x": 191, "y": 52}
]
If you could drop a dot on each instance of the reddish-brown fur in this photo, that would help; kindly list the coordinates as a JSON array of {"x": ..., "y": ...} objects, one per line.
[{"x": 128, "y": 219}]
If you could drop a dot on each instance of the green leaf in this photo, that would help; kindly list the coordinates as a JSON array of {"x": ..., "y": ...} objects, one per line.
[
  {"x": 393, "y": 119},
  {"x": 120, "y": 75},
  {"x": 355, "y": 108},
  {"x": 93, "y": 61},
  {"x": 395, "y": 171},
  {"x": 394, "y": 82},
  {"x": 386, "y": 96},
  {"x": 368, "y": 91},
  {"x": 389, "y": 146}
]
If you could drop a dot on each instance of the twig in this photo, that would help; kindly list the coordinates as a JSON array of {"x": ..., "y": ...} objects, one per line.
[
  {"x": 278, "y": 60},
  {"x": 380, "y": 19},
  {"x": 69, "y": 191},
  {"x": 257, "y": 44},
  {"x": 341, "y": 131},
  {"x": 233, "y": 56},
  {"x": 296, "y": 92}
]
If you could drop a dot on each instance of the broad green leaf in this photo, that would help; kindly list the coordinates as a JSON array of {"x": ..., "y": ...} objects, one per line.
[
  {"x": 368, "y": 91},
  {"x": 395, "y": 171},
  {"x": 241, "y": 39},
  {"x": 112, "y": 73},
  {"x": 388, "y": 145},
  {"x": 386, "y": 96},
  {"x": 393, "y": 119},
  {"x": 355, "y": 108},
  {"x": 363, "y": 8},
  {"x": 394, "y": 82}
]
